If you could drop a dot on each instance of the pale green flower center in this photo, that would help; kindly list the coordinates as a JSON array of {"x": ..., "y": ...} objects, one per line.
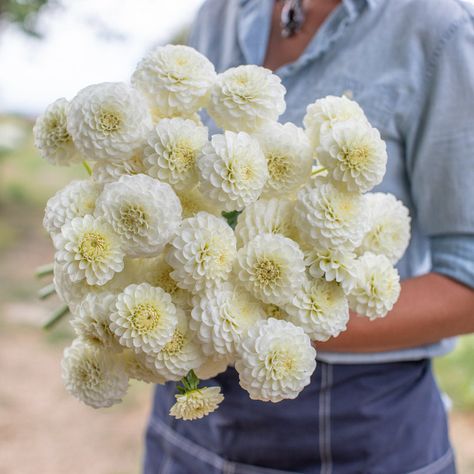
[
  {"x": 280, "y": 363},
  {"x": 89, "y": 373},
  {"x": 176, "y": 344},
  {"x": 244, "y": 89},
  {"x": 278, "y": 167},
  {"x": 145, "y": 318},
  {"x": 267, "y": 272},
  {"x": 356, "y": 158},
  {"x": 182, "y": 156},
  {"x": 93, "y": 247},
  {"x": 57, "y": 131},
  {"x": 133, "y": 218},
  {"x": 109, "y": 121}
]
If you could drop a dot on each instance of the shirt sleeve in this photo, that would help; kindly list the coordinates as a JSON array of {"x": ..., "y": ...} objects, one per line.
[{"x": 440, "y": 152}]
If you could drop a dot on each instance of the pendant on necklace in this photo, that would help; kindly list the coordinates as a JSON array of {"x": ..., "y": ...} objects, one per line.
[{"x": 292, "y": 17}]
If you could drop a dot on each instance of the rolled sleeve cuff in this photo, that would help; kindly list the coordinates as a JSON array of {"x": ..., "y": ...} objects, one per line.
[{"x": 453, "y": 256}]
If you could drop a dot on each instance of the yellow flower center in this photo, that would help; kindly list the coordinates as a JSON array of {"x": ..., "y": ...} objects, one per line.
[
  {"x": 176, "y": 344},
  {"x": 164, "y": 280},
  {"x": 93, "y": 247},
  {"x": 133, "y": 218},
  {"x": 267, "y": 272},
  {"x": 57, "y": 131},
  {"x": 182, "y": 157},
  {"x": 145, "y": 318},
  {"x": 356, "y": 158},
  {"x": 280, "y": 363},
  {"x": 278, "y": 167},
  {"x": 109, "y": 121}
]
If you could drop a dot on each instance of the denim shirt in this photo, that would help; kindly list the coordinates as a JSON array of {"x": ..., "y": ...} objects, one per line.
[{"x": 410, "y": 65}]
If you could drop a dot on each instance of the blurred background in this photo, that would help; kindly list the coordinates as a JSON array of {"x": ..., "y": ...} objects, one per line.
[{"x": 51, "y": 49}]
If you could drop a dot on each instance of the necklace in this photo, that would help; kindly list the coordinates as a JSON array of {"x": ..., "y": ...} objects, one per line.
[{"x": 292, "y": 17}]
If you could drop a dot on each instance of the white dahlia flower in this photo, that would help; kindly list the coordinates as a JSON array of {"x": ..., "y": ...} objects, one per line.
[
  {"x": 75, "y": 200},
  {"x": 93, "y": 376},
  {"x": 269, "y": 216},
  {"x": 244, "y": 98},
  {"x": 52, "y": 139},
  {"x": 144, "y": 318},
  {"x": 289, "y": 158},
  {"x": 197, "y": 403},
  {"x": 221, "y": 315},
  {"x": 325, "y": 113},
  {"x": 328, "y": 217},
  {"x": 193, "y": 201},
  {"x": 143, "y": 211},
  {"x": 376, "y": 287},
  {"x": 213, "y": 366},
  {"x": 175, "y": 79},
  {"x": 320, "y": 307},
  {"x": 271, "y": 267},
  {"x": 232, "y": 170},
  {"x": 108, "y": 121},
  {"x": 90, "y": 250},
  {"x": 389, "y": 227},
  {"x": 202, "y": 253},
  {"x": 91, "y": 321},
  {"x": 173, "y": 147},
  {"x": 180, "y": 354},
  {"x": 109, "y": 171},
  {"x": 275, "y": 361},
  {"x": 354, "y": 155},
  {"x": 136, "y": 368}
]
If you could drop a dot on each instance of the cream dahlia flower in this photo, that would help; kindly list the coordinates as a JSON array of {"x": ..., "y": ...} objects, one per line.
[
  {"x": 232, "y": 170},
  {"x": 320, "y": 307},
  {"x": 173, "y": 147},
  {"x": 108, "y": 171},
  {"x": 75, "y": 200},
  {"x": 271, "y": 267},
  {"x": 180, "y": 354},
  {"x": 328, "y": 217},
  {"x": 196, "y": 403},
  {"x": 91, "y": 321},
  {"x": 144, "y": 318},
  {"x": 176, "y": 80},
  {"x": 202, "y": 252},
  {"x": 354, "y": 155},
  {"x": 193, "y": 201},
  {"x": 221, "y": 315},
  {"x": 108, "y": 121},
  {"x": 269, "y": 216},
  {"x": 389, "y": 227},
  {"x": 136, "y": 368},
  {"x": 244, "y": 98},
  {"x": 90, "y": 250},
  {"x": 93, "y": 376},
  {"x": 376, "y": 287},
  {"x": 143, "y": 212},
  {"x": 289, "y": 158},
  {"x": 275, "y": 361},
  {"x": 325, "y": 113},
  {"x": 52, "y": 139}
]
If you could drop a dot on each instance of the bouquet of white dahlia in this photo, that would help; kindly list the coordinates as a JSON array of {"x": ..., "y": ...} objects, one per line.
[{"x": 183, "y": 253}]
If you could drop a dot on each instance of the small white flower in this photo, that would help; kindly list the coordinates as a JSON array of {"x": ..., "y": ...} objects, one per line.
[
  {"x": 202, "y": 253},
  {"x": 90, "y": 250},
  {"x": 176, "y": 80},
  {"x": 193, "y": 201},
  {"x": 354, "y": 155},
  {"x": 232, "y": 170},
  {"x": 246, "y": 97},
  {"x": 320, "y": 307},
  {"x": 289, "y": 158},
  {"x": 136, "y": 368},
  {"x": 144, "y": 318},
  {"x": 91, "y": 321},
  {"x": 75, "y": 200},
  {"x": 93, "y": 376},
  {"x": 180, "y": 354},
  {"x": 221, "y": 316},
  {"x": 389, "y": 231},
  {"x": 52, "y": 139},
  {"x": 196, "y": 403},
  {"x": 108, "y": 121},
  {"x": 173, "y": 147},
  {"x": 328, "y": 217},
  {"x": 275, "y": 361},
  {"x": 271, "y": 267},
  {"x": 213, "y": 366},
  {"x": 144, "y": 212},
  {"x": 322, "y": 115},
  {"x": 269, "y": 216},
  {"x": 109, "y": 171},
  {"x": 376, "y": 287}
]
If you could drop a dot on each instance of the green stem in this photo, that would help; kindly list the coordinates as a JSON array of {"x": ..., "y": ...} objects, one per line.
[
  {"x": 44, "y": 270},
  {"x": 317, "y": 171},
  {"x": 87, "y": 167},
  {"x": 56, "y": 317},
  {"x": 46, "y": 291}
]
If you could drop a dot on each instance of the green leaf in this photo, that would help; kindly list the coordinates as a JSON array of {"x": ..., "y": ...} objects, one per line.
[{"x": 231, "y": 217}]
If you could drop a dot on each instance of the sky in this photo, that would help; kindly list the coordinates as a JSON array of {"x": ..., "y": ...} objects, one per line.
[{"x": 85, "y": 42}]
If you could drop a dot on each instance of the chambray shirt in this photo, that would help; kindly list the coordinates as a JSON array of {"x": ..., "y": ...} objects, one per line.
[{"x": 410, "y": 65}]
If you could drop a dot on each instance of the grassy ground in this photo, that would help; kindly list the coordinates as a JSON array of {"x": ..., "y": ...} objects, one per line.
[{"x": 48, "y": 431}]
